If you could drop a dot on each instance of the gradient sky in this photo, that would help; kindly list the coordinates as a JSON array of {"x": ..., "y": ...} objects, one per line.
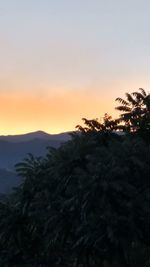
[{"x": 61, "y": 60}]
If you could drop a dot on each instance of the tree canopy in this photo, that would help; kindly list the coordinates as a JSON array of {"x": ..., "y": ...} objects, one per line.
[
  {"x": 86, "y": 203},
  {"x": 136, "y": 111}
]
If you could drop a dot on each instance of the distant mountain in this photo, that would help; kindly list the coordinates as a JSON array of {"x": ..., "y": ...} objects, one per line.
[
  {"x": 35, "y": 135},
  {"x": 14, "y": 148}
]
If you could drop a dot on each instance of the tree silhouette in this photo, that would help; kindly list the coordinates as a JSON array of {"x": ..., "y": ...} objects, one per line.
[
  {"x": 107, "y": 125},
  {"x": 136, "y": 112},
  {"x": 87, "y": 203}
]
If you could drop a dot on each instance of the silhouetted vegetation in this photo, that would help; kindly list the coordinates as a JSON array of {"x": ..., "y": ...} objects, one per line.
[
  {"x": 86, "y": 203},
  {"x": 136, "y": 112}
]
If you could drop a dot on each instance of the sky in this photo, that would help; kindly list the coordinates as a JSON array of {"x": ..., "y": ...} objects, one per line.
[{"x": 64, "y": 60}]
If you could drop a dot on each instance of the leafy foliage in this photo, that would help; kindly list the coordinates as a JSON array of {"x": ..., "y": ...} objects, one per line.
[
  {"x": 107, "y": 125},
  {"x": 85, "y": 204},
  {"x": 136, "y": 112}
]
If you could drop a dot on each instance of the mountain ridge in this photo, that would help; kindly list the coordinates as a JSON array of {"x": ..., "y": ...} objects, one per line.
[
  {"x": 14, "y": 148},
  {"x": 64, "y": 136}
]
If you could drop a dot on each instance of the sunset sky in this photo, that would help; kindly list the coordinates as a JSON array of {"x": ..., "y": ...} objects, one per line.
[{"x": 61, "y": 60}]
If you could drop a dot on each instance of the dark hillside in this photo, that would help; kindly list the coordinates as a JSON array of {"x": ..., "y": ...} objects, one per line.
[
  {"x": 8, "y": 180},
  {"x": 14, "y": 148}
]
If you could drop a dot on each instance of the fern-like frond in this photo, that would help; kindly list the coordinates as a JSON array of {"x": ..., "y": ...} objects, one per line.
[
  {"x": 123, "y": 108},
  {"x": 122, "y": 101},
  {"x": 139, "y": 96},
  {"x": 131, "y": 99},
  {"x": 143, "y": 92}
]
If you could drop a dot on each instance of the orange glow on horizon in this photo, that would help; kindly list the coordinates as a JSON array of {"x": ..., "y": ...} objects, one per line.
[{"x": 57, "y": 112}]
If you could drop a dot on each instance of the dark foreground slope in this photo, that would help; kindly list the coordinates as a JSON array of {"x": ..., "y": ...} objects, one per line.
[
  {"x": 8, "y": 180},
  {"x": 86, "y": 204}
]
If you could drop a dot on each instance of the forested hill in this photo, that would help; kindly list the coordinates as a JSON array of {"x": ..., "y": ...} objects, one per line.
[{"x": 8, "y": 181}]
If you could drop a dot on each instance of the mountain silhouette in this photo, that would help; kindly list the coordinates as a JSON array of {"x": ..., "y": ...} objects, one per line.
[
  {"x": 35, "y": 135},
  {"x": 14, "y": 148}
]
